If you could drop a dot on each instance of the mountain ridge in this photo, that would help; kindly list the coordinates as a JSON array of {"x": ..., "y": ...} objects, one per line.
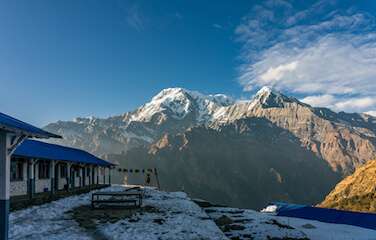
[{"x": 344, "y": 140}]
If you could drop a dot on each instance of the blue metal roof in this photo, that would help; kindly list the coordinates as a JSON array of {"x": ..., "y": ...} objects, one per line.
[
  {"x": 365, "y": 220},
  {"x": 38, "y": 149},
  {"x": 10, "y": 124}
]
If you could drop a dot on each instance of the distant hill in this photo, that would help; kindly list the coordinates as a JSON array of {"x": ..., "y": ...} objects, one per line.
[{"x": 356, "y": 192}]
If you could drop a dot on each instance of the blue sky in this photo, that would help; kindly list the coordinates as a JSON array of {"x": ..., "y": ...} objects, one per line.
[{"x": 62, "y": 59}]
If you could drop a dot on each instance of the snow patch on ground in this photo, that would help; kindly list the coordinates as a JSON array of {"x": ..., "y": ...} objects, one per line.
[
  {"x": 177, "y": 218},
  {"x": 48, "y": 221},
  {"x": 173, "y": 216},
  {"x": 180, "y": 217},
  {"x": 263, "y": 225}
]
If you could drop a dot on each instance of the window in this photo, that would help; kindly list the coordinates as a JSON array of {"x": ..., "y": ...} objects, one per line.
[
  {"x": 63, "y": 171},
  {"x": 43, "y": 169},
  {"x": 88, "y": 171},
  {"x": 16, "y": 170}
]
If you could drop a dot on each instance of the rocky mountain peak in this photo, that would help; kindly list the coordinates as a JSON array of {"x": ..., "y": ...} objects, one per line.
[
  {"x": 267, "y": 97},
  {"x": 181, "y": 93},
  {"x": 85, "y": 120},
  {"x": 179, "y": 102}
]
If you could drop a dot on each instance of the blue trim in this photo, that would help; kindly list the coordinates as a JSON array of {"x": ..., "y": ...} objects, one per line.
[
  {"x": 48, "y": 151},
  {"x": 365, "y": 220},
  {"x": 4, "y": 219},
  {"x": 14, "y": 125}
]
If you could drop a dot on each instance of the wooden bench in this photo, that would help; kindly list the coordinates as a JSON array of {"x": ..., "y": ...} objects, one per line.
[{"x": 123, "y": 199}]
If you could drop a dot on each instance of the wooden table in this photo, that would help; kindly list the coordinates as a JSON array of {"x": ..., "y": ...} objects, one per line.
[{"x": 117, "y": 199}]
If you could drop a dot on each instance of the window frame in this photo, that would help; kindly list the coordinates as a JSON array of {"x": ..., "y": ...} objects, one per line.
[
  {"x": 44, "y": 169},
  {"x": 63, "y": 171},
  {"x": 18, "y": 174}
]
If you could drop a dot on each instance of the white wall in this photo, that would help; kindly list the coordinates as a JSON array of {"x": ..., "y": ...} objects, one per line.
[
  {"x": 102, "y": 172},
  {"x": 18, "y": 188},
  {"x": 41, "y": 184}
]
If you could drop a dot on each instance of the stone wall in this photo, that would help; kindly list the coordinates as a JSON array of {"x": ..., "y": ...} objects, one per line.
[
  {"x": 62, "y": 183},
  {"x": 18, "y": 188},
  {"x": 42, "y": 184}
]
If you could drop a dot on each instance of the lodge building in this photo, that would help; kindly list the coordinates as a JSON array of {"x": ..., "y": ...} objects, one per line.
[
  {"x": 34, "y": 171},
  {"x": 39, "y": 167}
]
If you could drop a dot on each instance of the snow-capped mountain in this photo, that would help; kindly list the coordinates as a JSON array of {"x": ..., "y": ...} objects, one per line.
[
  {"x": 177, "y": 103},
  {"x": 343, "y": 140},
  {"x": 170, "y": 111},
  {"x": 274, "y": 145}
]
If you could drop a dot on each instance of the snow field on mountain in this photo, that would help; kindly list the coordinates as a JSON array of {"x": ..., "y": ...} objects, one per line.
[{"x": 181, "y": 102}]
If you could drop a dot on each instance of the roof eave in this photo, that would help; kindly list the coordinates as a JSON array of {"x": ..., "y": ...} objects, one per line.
[{"x": 29, "y": 134}]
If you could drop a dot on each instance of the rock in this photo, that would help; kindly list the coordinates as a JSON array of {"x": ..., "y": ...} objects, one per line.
[
  {"x": 245, "y": 220},
  {"x": 235, "y": 238},
  {"x": 159, "y": 221},
  {"x": 247, "y": 236},
  {"x": 113, "y": 220},
  {"x": 308, "y": 226},
  {"x": 223, "y": 220},
  {"x": 134, "y": 220},
  {"x": 202, "y": 203},
  {"x": 225, "y": 228},
  {"x": 210, "y": 210},
  {"x": 280, "y": 225},
  {"x": 237, "y": 227}
]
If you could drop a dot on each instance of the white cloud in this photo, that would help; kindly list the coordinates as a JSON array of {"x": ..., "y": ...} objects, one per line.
[
  {"x": 356, "y": 103},
  {"x": 330, "y": 61},
  {"x": 319, "y": 101},
  {"x": 275, "y": 74},
  {"x": 372, "y": 113}
]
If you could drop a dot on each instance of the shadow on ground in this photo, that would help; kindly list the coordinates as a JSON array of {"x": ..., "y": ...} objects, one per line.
[{"x": 89, "y": 218}]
